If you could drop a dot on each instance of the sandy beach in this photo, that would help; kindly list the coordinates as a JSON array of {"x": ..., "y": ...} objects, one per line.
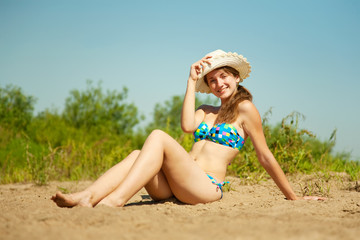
[{"x": 256, "y": 211}]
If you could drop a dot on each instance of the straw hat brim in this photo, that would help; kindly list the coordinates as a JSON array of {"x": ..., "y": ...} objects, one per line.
[{"x": 221, "y": 59}]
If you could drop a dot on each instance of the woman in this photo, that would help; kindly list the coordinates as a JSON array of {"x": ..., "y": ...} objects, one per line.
[{"x": 165, "y": 169}]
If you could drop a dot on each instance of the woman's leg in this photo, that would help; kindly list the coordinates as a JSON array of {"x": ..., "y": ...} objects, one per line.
[
  {"x": 157, "y": 188},
  {"x": 187, "y": 180},
  {"x": 102, "y": 187}
]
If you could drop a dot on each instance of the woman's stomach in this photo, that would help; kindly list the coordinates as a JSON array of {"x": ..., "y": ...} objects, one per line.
[{"x": 213, "y": 158}]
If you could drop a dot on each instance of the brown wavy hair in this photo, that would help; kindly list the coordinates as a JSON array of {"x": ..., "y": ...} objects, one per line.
[{"x": 229, "y": 111}]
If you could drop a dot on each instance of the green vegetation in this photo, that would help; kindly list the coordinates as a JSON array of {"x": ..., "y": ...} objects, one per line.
[{"x": 97, "y": 129}]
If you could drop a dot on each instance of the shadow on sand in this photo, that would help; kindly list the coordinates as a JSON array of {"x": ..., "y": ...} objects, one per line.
[{"x": 147, "y": 200}]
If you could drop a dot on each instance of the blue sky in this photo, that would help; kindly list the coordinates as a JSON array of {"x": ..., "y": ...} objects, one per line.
[{"x": 304, "y": 54}]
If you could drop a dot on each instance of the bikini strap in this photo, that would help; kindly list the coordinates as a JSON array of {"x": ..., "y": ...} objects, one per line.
[{"x": 218, "y": 184}]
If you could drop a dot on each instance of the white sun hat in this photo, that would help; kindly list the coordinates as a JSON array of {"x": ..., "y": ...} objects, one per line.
[{"x": 218, "y": 59}]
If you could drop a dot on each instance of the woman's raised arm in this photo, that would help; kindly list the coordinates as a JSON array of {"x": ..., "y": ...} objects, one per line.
[{"x": 189, "y": 118}]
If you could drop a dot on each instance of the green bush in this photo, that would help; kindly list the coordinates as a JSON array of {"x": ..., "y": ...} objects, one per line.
[
  {"x": 16, "y": 109},
  {"x": 93, "y": 110}
]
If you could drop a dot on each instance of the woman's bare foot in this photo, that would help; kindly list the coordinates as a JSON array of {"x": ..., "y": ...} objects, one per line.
[{"x": 72, "y": 200}]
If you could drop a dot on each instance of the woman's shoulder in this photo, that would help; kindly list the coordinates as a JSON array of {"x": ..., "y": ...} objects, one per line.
[
  {"x": 248, "y": 111},
  {"x": 246, "y": 106}
]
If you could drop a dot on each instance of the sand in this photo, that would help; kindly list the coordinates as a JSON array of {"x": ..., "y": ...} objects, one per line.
[{"x": 256, "y": 211}]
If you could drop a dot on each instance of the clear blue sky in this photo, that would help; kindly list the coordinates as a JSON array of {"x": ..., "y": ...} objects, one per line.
[{"x": 305, "y": 55}]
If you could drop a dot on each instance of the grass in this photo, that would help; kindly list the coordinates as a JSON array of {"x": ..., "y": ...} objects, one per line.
[{"x": 25, "y": 160}]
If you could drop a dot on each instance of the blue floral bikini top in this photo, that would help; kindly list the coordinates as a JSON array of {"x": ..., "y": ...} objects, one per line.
[{"x": 223, "y": 133}]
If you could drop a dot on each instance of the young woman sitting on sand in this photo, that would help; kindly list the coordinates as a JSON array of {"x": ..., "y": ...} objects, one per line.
[{"x": 163, "y": 166}]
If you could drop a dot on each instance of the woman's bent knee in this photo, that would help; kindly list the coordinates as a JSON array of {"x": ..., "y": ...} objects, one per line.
[
  {"x": 158, "y": 136},
  {"x": 157, "y": 133},
  {"x": 135, "y": 152}
]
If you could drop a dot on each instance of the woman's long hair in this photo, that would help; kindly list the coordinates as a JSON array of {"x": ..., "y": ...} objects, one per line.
[{"x": 229, "y": 111}]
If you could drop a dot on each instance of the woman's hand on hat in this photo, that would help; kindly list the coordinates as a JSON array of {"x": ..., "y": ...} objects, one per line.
[{"x": 197, "y": 67}]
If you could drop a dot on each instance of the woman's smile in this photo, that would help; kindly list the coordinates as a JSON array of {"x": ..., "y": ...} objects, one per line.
[
  {"x": 222, "y": 90},
  {"x": 221, "y": 83}
]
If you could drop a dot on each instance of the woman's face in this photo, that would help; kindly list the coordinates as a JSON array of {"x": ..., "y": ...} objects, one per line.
[{"x": 222, "y": 84}]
